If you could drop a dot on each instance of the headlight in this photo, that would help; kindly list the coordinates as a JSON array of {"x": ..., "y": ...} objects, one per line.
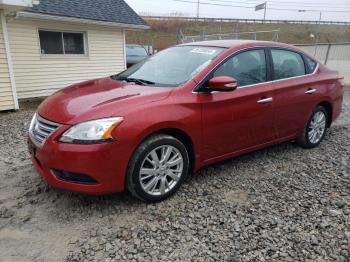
[
  {"x": 31, "y": 127},
  {"x": 90, "y": 132}
]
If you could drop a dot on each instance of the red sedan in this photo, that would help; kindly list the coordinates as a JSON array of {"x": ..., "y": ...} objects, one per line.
[{"x": 188, "y": 106}]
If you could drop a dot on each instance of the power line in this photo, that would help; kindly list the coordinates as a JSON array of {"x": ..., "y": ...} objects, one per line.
[
  {"x": 283, "y": 3},
  {"x": 304, "y": 4},
  {"x": 310, "y": 10},
  {"x": 279, "y": 2},
  {"x": 270, "y": 8},
  {"x": 205, "y": 3}
]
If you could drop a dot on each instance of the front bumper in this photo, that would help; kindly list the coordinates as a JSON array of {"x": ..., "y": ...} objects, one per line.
[{"x": 104, "y": 163}]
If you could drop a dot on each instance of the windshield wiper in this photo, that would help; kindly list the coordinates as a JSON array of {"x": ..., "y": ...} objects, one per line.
[
  {"x": 140, "y": 81},
  {"x": 135, "y": 80}
]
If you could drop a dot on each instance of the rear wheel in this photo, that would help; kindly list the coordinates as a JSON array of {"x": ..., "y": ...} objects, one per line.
[
  {"x": 157, "y": 168},
  {"x": 315, "y": 129}
]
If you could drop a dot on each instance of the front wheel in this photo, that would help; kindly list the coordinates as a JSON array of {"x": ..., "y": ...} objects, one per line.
[
  {"x": 157, "y": 168},
  {"x": 315, "y": 129}
]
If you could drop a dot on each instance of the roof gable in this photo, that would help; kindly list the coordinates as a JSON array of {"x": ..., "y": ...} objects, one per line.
[{"x": 115, "y": 11}]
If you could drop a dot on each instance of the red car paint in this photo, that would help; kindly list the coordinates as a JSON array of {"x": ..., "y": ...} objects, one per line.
[{"x": 219, "y": 125}]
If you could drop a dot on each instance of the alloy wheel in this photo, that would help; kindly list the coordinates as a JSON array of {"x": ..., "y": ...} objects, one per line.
[
  {"x": 317, "y": 127},
  {"x": 161, "y": 170}
]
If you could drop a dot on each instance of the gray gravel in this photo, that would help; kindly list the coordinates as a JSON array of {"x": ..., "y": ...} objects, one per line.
[{"x": 283, "y": 203}]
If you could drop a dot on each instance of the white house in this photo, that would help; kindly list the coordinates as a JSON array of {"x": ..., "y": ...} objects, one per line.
[{"x": 49, "y": 44}]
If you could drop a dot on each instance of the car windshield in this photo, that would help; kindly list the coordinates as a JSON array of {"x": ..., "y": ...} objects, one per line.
[
  {"x": 135, "y": 51},
  {"x": 171, "y": 67}
]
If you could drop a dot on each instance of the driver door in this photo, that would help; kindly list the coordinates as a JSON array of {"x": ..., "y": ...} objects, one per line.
[{"x": 242, "y": 119}]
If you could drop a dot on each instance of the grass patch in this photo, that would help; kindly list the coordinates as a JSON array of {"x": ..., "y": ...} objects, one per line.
[{"x": 163, "y": 33}]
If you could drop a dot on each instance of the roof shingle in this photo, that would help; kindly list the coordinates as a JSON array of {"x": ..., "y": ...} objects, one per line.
[{"x": 116, "y": 11}]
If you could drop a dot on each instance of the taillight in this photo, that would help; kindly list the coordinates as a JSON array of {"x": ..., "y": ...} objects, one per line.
[{"x": 341, "y": 80}]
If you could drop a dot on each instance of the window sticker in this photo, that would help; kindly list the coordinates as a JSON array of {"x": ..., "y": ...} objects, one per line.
[{"x": 205, "y": 51}]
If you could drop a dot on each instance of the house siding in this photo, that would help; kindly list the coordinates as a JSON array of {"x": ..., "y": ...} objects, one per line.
[
  {"x": 37, "y": 75},
  {"x": 6, "y": 97}
]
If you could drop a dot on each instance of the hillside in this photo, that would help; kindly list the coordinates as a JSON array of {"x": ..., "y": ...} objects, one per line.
[{"x": 163, "y": 33}]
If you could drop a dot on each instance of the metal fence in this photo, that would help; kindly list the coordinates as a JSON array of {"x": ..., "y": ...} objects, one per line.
[
  {"x": 335, "y": 55},
  {"x": 253, "y": 21},
  {"x": 273, "y": 34}
]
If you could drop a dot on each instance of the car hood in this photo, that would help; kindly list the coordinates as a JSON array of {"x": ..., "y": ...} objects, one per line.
[{"x": 98, "y": 99}]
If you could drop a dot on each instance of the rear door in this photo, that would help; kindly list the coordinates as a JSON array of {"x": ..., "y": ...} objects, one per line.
[
  {"x": 241, "y": 119},
  {"x": 295, "y": 91}
]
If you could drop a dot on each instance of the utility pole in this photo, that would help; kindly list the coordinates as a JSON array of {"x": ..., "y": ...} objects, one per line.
[
  {"x": 265, "y": 11},
  {"x": 198, "y": 4}
]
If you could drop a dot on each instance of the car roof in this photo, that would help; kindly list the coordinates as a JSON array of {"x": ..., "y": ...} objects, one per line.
[
  {"x": 134, "y": 45},
  {"x": 237, "y": 43}
]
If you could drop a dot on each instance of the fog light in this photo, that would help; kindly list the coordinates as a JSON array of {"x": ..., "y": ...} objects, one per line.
[{"x": 73, "y": 177}]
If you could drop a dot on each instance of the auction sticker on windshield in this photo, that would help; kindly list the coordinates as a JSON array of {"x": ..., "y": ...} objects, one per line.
[{"x": 205, "y": 51}]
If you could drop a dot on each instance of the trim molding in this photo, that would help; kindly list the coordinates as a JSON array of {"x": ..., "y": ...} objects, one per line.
[
  {"x": 9, "y": 59},
  {"x": 194, "y": 91},
  {"x": 25, "y": 14}
]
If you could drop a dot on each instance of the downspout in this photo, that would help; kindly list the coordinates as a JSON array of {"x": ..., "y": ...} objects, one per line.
[
  {"x": 124, "y": 49},
  {"x": 9, "y": 59}
]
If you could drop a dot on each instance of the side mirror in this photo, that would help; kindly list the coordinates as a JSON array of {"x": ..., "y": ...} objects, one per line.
[{"x": 222, "y": 84}]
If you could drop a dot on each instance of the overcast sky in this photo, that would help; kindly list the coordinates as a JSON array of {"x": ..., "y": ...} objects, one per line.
[{"x": 167, "y": 7}]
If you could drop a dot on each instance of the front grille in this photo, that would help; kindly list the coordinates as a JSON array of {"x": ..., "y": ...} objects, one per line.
[{"x": 41, "y": 130}]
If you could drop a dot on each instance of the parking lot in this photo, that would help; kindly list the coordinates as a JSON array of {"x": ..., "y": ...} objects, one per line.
[{"x": 282, "y": 203}]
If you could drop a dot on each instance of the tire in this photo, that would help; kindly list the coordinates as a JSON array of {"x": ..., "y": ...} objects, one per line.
[
  {"x": 307, "y": 140},
  {"x": 164, "y": 178}
]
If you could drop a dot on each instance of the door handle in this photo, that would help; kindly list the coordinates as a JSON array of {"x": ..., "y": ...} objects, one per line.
[
  {"x": 265, "y": 100},
  {"x": 310, "y": 91}
]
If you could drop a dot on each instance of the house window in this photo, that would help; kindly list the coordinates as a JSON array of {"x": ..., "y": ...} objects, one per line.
[{"x": 61, "y": 43}]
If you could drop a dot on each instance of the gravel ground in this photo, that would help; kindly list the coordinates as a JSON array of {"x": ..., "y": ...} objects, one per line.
[{"x": 282, "y": 203}]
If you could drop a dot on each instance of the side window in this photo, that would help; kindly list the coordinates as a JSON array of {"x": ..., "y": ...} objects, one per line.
[
  {"x": 287, "y": 64},
  {"x": 247, "y": 68},
  {"x": 311, "y": 63}
]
